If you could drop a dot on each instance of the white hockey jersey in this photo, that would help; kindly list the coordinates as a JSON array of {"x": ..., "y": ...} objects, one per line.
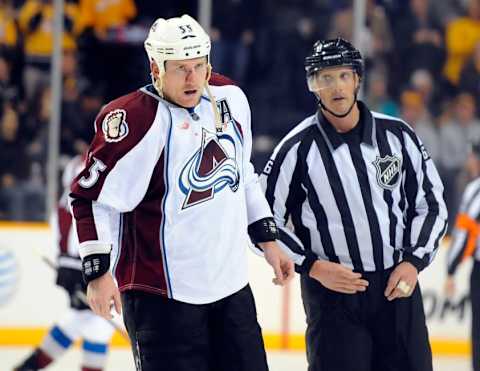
[{"x": 171, "y": 197}]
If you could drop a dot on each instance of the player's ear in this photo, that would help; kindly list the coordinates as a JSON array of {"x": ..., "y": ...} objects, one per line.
[
  {"x": 209, "y": 72},
  {"x": 154, "y": 68}
]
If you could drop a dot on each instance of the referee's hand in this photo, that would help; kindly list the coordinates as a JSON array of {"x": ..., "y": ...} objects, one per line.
[
  {"x": 337, "y": 277},
  {"x": 402, "y": 281}
]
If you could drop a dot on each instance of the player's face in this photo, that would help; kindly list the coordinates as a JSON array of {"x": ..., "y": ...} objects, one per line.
[
  {"x": 184, "y": 81},
  {"x": 336, "y": 88}
]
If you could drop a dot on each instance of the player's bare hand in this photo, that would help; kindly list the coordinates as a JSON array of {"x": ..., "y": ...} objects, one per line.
[
  {"x": 337, "y": 277},
  {"x": 282, "y": 265},
  {"x": 449, "y": 288},
  {"x": 102, "y": 294},
  {"x": 402, "y": 281}
]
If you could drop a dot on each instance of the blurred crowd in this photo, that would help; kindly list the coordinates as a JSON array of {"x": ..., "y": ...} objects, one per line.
[{"x": 422, "y": 60}]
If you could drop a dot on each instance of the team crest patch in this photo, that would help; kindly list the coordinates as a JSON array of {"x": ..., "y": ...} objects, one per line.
[
  {"x": 114, "y": 125},
  {"x": 211, "y": 169},
  {"x": 388, "y": 171}
]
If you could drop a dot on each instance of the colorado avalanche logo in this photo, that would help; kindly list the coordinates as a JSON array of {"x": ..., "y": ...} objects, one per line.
[
  {"x": 209, "y": 170},
  {"x": 388, "y": 171}
]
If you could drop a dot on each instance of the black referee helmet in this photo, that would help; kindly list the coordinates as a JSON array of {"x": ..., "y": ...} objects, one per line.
[{"x": 333, "y": 53}]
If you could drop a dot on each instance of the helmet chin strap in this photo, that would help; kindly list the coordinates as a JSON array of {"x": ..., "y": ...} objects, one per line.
[
  {"x": 325, "y": 108},
  {"x": 158, "y": 84}
]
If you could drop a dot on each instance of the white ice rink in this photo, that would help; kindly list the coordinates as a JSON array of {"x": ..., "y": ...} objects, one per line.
[{"x": 121, "y": 360}]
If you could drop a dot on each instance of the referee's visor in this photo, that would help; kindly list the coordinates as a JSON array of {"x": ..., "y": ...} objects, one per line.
[{"x": 329, "y": 78}]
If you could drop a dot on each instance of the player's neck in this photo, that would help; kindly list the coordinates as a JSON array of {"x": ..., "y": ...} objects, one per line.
[{"x": 344, "y": 124}]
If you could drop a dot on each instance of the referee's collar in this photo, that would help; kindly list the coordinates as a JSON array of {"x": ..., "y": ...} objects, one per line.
[{"x": 335, "y": 140}]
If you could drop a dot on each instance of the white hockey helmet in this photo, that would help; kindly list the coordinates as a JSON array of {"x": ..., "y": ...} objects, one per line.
[{"x": 176, "y": 39}]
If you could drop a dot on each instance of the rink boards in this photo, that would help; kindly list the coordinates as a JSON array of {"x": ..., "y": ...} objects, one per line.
[{"x": 30, "y": 302}]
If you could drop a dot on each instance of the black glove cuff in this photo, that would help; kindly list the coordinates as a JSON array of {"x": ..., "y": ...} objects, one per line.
[
  {"x": 416, "y": 262},
  {"x": 263, "y": 230},
  {"x": 310, "y": 258},
  {"x": 94, "y": 266}
]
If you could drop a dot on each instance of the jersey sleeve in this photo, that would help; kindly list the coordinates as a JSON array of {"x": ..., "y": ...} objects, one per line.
[
  {"x": 127, "y": 145},
  {"x": 278, "y": 182},
  {"x": 426, "y": 217}
]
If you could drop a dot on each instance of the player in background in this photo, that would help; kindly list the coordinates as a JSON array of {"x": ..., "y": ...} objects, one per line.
[
  {"x": 465, "y": 244},
  {"x": 79, "y": 321}
]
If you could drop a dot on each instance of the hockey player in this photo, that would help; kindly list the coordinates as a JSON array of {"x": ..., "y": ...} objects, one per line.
[
  {"x": 79, "y": 321},
  {"x": 168, "y": 201},
  {"x": 465, "y": 243}
]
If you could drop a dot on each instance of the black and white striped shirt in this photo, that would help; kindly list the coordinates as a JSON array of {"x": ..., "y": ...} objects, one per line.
[
  {"x": 367, "y": 204},
  {"x": 465, "y": 240}
]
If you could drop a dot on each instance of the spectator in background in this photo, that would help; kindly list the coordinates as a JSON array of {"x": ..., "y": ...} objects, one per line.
[
  {"x": 8, "y": 91},
  {"x": 381, "y": 36},
  {"x": 8, "y": 28},
  {"x": 106, "y": 17},
  {"x": 35, "y": 130},
  {"x": 455, "y": 136},
  {"x": 92, "y": 99},
  {"x": 233, "y": 33},
  {"x": 376, "y": 37},
  {"x": 73, "y": 124},
  {"x": 22, "y": 196},
  {"x": 10, "y": 44},
  {"x": 414, "y": 111},
  {"x": 108, "y": 57},
  {"x": 378, "y": 98},
  {"x": 447, "y": 10},
  {"x": 342, "y": 23},
  {"x": 421, "y": 80},
  {"x": 470, "y": 76},
  {"x": 419, "y": 42},
  {"x": 36, "y": 24},
  {"x": 462, "y": 34}
]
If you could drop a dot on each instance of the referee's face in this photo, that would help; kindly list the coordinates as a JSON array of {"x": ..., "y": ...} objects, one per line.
[{"x": 336, "y": 88}]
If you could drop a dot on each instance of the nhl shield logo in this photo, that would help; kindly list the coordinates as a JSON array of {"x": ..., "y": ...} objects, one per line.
[
  {"x": 114, "y": 126},
  {"x": 388, "y": 171}
]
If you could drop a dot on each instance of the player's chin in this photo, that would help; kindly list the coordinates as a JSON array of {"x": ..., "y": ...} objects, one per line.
[{"x": 190, "y": 98}]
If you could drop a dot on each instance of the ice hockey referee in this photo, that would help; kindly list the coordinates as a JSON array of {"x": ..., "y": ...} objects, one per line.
[{"x": 360, "y": 207}]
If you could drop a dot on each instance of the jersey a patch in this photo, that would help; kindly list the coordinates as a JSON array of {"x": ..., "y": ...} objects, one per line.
[
  {"x": 388, "y": 171},
  {"x": 212, "y": 168},
  {"x": 224, "y": 110},
  {"x": 114, "y": 125}
]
